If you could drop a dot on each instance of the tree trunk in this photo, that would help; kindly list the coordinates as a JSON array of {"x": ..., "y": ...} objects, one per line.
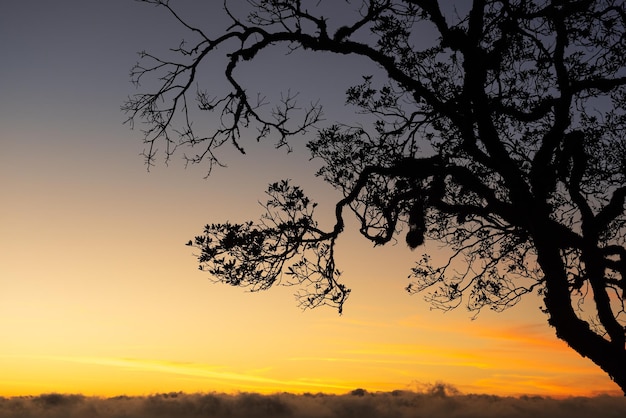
[{"x": 569, "y": 327}]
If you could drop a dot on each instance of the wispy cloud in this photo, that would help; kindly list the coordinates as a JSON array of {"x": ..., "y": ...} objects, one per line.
[{"x": 252, "y": 378}]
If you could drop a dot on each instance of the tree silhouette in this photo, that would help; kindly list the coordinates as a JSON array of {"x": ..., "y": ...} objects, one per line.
[{"x": 503, "y": 138}]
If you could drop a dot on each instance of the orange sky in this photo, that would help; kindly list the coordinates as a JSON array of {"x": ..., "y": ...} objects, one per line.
[{"x": 98, "y": 294}]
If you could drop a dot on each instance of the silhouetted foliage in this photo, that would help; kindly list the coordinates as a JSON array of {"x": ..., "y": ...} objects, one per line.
[{"x": 502, "y": 137}]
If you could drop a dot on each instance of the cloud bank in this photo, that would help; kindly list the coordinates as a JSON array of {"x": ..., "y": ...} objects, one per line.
[{"x": 438, "y": 402}]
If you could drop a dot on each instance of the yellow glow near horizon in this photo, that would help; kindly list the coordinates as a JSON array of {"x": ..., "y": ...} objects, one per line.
[{"x": 546, "y": 368}]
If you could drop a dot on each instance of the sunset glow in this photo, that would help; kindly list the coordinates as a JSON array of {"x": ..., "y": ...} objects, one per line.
[{"x": 100, "y": 296}]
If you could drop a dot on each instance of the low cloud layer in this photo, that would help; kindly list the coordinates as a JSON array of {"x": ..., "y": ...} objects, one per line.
[{"x": 439, "y": 401}]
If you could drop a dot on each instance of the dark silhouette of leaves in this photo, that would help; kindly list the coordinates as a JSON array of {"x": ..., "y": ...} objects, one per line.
[{"x": 502, "y": 137}]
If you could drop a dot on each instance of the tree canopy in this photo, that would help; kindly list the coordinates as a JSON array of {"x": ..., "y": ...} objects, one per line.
[{"x": 502, "y": 136}]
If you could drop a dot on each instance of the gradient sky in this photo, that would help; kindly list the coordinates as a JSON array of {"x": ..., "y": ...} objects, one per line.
[{"x": 98, "y": 294}]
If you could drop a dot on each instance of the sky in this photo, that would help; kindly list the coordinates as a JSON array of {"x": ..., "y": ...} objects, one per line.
[{"x": 100, "y": 296}]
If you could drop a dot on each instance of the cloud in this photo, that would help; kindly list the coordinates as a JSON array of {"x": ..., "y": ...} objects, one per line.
[{"x": 439, "y": 400}]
